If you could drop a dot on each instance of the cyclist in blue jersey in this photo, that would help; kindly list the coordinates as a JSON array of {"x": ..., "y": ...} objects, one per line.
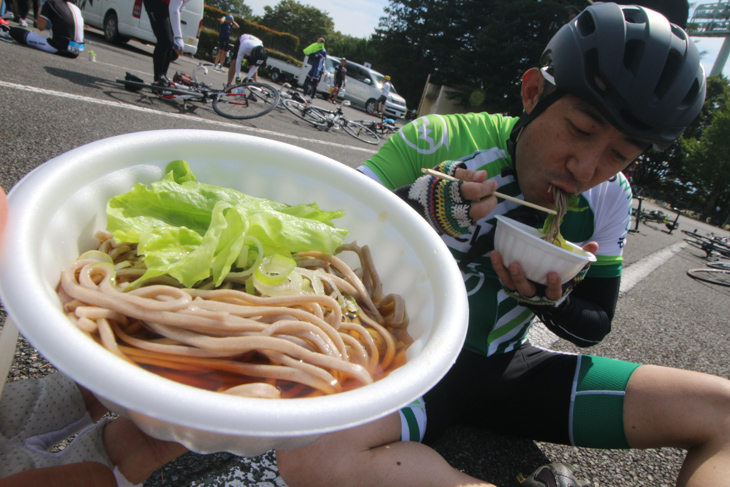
[
  {"x": 224, "y": 37},
  {"x": 614, "y": 82}
]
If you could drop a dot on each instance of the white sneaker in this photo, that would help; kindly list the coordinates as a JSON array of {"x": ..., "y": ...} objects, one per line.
[{"x": 23, "y": 23}]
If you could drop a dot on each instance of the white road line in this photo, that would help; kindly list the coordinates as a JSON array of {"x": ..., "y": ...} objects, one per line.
[
  {"x": 634, "y": 273},
  {"x": 126, "y": 106},
  {"x": 630, "y": 277}
]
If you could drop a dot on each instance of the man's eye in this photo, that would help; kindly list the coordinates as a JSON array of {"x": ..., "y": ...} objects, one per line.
[
  {"x": 620, "y": 157},
  {"x": 577, "y": 130}
]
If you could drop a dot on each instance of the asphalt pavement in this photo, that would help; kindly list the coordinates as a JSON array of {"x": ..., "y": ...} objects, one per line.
[{"x": 52, "y": 104}]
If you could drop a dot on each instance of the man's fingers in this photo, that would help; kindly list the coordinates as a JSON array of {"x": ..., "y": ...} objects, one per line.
[
  {"x": 591, "y": 247},
  {"x": 554, "y": 289},
  {"x": 501, "y": 270},
  {"x": 469, "y": 175},
  {"x": 482, "y": 208},
  {"x": 473, "y": 191}
]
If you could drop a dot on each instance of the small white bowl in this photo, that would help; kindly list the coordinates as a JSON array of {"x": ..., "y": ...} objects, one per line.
[
  {"x": 520, "y": 243},
  {"x": 55, "y": 210}
]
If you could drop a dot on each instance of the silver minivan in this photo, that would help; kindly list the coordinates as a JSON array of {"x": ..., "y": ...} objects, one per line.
[{"x": 363, "y": 87}]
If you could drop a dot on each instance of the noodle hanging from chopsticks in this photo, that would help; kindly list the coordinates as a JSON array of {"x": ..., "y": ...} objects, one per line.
[
  {"x": 232, "y": 341},
  {"x": 561, "y": 207}
]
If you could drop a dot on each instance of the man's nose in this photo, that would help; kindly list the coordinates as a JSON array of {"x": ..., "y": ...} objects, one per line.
[{"x": 583, "y": 166}]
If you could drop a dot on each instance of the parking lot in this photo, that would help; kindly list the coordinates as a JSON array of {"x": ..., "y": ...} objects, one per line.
[{"x": 52, "y": 104}]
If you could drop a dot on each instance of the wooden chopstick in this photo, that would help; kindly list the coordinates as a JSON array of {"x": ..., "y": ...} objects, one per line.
[{"x": 441, "y": 175}]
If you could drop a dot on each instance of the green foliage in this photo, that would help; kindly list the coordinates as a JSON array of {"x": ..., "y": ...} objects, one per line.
[
  {"x": 707, "y": 163},
  {"x": 472, "y": 45},
  {"x": 676, "y": 171},
  {"x": 306, "y": 22},
  {"x": 278, "y": 41},
  {"x": 236, "y": 7}
]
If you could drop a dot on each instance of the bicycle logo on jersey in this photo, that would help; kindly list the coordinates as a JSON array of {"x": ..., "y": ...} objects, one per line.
[{"x": 425, "y": 131}]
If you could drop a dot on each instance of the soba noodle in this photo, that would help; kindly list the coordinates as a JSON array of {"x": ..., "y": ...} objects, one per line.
[
  {"x": 561, "y": 207},
  {"x": 230, "y": 340}
]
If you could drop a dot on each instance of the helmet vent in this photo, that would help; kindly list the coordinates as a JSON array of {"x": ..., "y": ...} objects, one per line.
[
  {"x": 677, "y": 31},
  {"x": 632, "y": 55},
  {"x": 671, "y": 69},
  {"x": 586, "y": 25},
  {"x": 691, "y": 94}
]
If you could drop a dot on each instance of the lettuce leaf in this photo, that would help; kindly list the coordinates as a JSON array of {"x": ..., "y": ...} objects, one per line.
[{"x": 192, "y": 230}]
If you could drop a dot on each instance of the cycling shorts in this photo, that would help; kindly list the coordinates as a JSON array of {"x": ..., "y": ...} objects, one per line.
[
  {"x": 534, "y": 393},
  {"x": 224, "y": 43},
  {"x": 382, "y": 99}
]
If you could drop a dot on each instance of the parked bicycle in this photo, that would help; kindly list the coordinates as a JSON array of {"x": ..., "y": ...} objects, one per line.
[
  {"x": 329, "y": 119},
  {"x": 712, "y": 245},
  {"x": 715, "y": 273},
  {"x": 384, "y": 127},
  {"x": 241, "y": 101}
]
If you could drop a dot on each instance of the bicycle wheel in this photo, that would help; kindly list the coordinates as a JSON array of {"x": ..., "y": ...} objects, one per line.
[
  {"x": 714, "y": 276},
  {"x": 720, "y": 264},
  {"x": 246, "y": 100},
  {"x": 359, "y": 131},
  {"x": 306, "y": 112}
]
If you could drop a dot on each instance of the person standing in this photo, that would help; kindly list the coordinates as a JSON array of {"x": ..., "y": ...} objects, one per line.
[
  {"x": 340, "y": 77},
  {"x": 317, "y": 55},
  {"x": 165, "y": 21},
  {"x": 224, "y": 35},
  {"x": 380, "y": 104}
]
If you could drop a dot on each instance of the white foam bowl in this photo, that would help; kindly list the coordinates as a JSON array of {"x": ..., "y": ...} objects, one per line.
[
  {"x": 55, "y": 210},
  {"x": 520, "y": 243}
]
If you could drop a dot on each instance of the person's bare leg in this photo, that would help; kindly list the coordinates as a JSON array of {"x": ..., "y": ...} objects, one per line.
[
  {"x": 231, "y": 73},
  {"x": 85, "y": 474},
  {"x": 369, "y": 455},
  {"x": 220, "y": 57},
  {"x": 135, "y": 453},
  {"x": 667, "y": 407}
]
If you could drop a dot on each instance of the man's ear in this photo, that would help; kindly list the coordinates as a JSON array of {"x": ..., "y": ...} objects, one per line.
[{"x": 532, "y": 85}]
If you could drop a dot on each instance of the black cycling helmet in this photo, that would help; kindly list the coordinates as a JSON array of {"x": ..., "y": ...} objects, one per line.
[
  {"x": 258, "y": 56},
  {"x": 651, "y": 89}
]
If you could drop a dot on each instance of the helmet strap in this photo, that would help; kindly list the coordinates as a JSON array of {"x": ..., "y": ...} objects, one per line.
[{"x": 525, "y": 119}]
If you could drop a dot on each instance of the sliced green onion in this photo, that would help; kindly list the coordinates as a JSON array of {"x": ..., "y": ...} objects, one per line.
[{"x": 274, "y": 269}]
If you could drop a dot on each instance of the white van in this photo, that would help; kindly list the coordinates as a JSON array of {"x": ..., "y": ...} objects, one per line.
[
  {"x": 122, "y": 20},
  {"x": 363, "y": 87}
]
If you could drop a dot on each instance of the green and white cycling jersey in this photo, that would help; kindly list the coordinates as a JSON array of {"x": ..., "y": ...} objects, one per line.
[{"x": 498, "y": 323}]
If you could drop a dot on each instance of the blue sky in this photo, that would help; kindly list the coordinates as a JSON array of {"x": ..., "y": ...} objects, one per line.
[{"x": 359, "y": 18}]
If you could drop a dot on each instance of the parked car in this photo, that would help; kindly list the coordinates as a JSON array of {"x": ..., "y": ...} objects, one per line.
[
  {"x": 283, "y": 72},
  {"x": 363, "y": 87},
  {"x": 122, "y": 20}
]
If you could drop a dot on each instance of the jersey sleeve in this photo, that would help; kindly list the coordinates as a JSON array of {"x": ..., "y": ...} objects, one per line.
[
  {"x": 174, "y": 8},
  {"x": 613, "y": 219}
]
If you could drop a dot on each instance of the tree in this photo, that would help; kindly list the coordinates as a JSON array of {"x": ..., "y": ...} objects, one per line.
[
  {"x": 304, "y": 21},
  {"x": 672, "y": 171},
  {"x": 236, "y": 7},
  {"x": 472, "y": 45},
  {"x": 708, "y": 163}
]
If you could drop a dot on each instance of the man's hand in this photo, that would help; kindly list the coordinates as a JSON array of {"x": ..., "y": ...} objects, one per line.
[
  {"x": 451, "y": 207},
  {"x": 513, "y": 278},
  {"x": 480, "y": 194},
  {"x": 178, "y": 45}
]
